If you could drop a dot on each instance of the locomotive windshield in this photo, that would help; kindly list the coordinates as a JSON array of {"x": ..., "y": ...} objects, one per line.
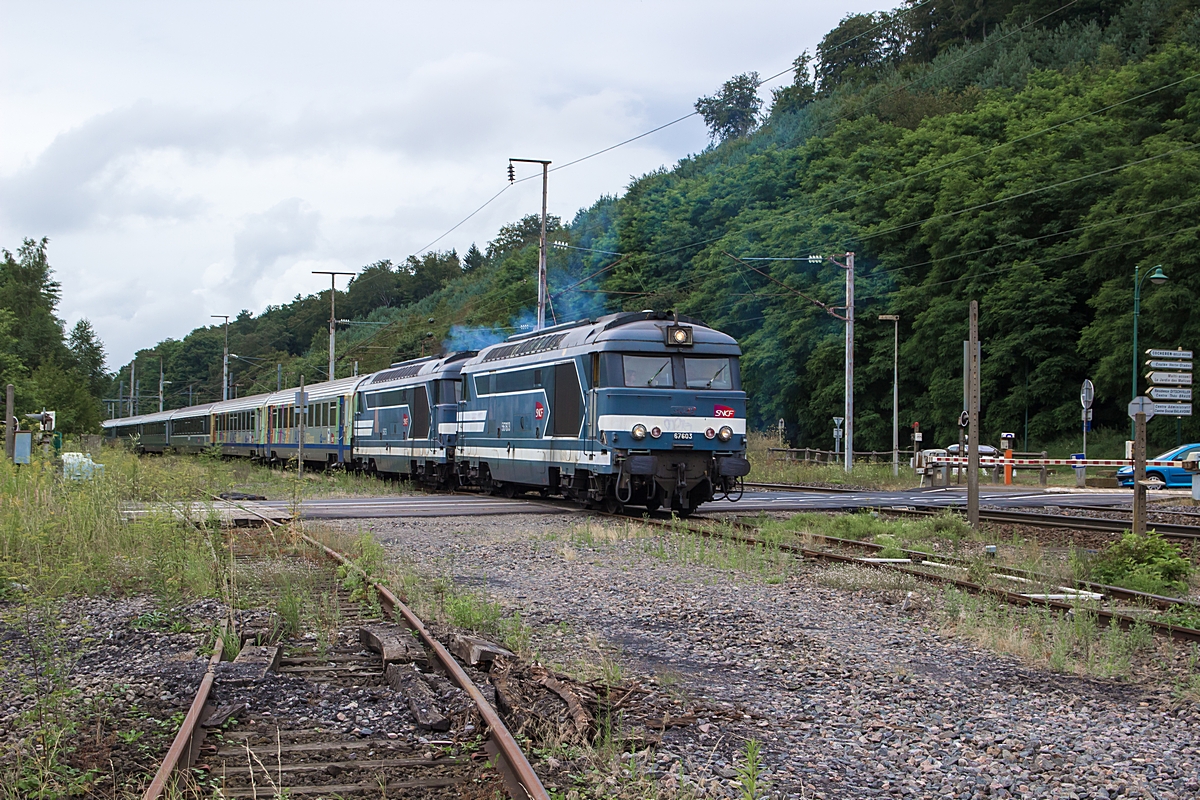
[
  {"x": 708, "y": 373},
  {"x": 648, "y": 371}
]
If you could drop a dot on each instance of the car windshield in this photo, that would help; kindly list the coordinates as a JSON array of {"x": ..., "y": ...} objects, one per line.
[
  {"x": 648, "y": 371},
  {"x": 708, "y": 373}
]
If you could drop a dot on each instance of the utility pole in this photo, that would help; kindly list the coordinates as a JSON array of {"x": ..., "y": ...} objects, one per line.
[
  {"x": 541, "y": 301},
  {"x": 895, "y": 318},
  {"x": 332, "y": 312},
  {"x": 279, "y": 377},
  {"x": 160, "y": 385},
  {"x": 225, "y": 363},
  {"x": 849, "y": 362},
  {"x": 301, "y": 408},
  {"x": 973, "y": 424},
  {"x": 10, "y": 421},
  {"x": 132, "y": 383}
]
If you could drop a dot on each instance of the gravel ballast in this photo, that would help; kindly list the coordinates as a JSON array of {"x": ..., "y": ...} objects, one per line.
[{"x": 850, "y": 695}]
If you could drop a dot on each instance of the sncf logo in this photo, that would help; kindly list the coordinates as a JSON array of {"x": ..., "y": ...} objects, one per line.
[
  {"x": 539, "y": 411},
  {"x": 722, "y": 411}
]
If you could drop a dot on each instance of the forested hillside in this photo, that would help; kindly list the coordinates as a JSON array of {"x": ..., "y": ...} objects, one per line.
[
  {"x": 1026, "y": 155},
  {"x": 48, "y": 367}
]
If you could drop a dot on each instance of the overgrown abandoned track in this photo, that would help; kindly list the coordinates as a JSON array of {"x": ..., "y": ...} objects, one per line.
[
  {"x": 1189, "y": 533},
  {"x": 378, "y": 706},
  {"x": 1039, "y": 590}
]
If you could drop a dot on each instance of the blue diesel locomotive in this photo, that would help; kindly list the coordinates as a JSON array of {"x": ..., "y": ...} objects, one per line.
[
  {"x": 641, "y": 408},
  {"x": 637, "y": 408}
]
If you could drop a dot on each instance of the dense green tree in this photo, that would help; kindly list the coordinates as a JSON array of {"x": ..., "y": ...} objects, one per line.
[
  {"x": 732, "y": 112},
  {"x": 88, "y": 353},
  {"x": 858, "y": 49}
]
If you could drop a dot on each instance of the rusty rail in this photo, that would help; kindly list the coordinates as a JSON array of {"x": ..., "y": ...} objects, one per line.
[
  {"x": 519, "y": 777},
  {"x": 186, "y": 739},
  {"x": 1125, "y": 621}
]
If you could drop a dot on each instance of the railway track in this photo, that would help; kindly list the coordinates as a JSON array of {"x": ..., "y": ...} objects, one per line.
[
  {"x": 1041, "y": 520},
  {"x": 270, "y": 755},
  {"x": 1041, "y": 590}
]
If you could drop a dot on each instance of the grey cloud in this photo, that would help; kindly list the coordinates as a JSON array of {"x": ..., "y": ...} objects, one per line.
[{"x": 288, "y": 228}]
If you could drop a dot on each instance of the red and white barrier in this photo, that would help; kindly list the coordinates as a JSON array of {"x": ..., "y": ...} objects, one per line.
[{"x": 1049, "y": 462}]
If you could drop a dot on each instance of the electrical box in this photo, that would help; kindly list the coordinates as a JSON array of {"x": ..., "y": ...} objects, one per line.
[{"x": 1006, "y": 440}]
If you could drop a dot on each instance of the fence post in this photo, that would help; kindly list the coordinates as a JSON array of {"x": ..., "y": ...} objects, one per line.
[{"x": 1043, "y": 475}]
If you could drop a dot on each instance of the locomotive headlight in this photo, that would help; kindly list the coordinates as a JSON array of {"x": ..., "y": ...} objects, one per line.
[
  {"x": 680, "y": 335},
  {"x": 725, "y": 434},
  {"x": 710, "y": 433},
  {"x": 656, "y": 431},
  {"x": 639, "y": 431}
]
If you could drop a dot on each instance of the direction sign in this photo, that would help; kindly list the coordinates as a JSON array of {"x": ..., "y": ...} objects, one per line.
[
  {"x": 1143, "y": 405},
  {"x": 1173, "y": 409},
  {"x": 1169, "y": 353},
  {"x": 1086, "y": 394},
  {"x": 301, "y": 399},
  {"x": 1170, "y": 378},
  {"x": 1152, "y": 364},
  {"x": 1170, "y": 393}
]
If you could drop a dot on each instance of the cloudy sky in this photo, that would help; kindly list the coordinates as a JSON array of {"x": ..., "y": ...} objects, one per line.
[{"x": 188, "y": 159}]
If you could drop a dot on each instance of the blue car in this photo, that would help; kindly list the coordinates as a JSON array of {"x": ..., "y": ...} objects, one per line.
[{"x": 1170, "y": 476}]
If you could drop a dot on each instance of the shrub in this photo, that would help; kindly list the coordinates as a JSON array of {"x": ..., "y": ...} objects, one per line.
[{"x": 1146, "y": 563}]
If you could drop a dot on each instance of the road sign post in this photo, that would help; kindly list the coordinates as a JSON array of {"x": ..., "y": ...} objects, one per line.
[
  {"x": 1087, "y": 394},
  {"x": 1140, "y": 409}
]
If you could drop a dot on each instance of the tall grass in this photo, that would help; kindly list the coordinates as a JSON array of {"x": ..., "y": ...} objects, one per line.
[
  {"x": 62, "y": 537},
  {"x": 768, "y": 467}
]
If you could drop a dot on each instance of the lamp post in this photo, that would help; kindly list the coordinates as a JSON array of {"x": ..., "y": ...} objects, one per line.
[
  {"x": 1158, "y": 278},
  {"x": 895, "y": 318},
  {"x": 225, "y": 363}
]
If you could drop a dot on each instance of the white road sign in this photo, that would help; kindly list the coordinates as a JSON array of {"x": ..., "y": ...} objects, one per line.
[
  {"x": 301, "y": 399},
  {"x": 1086, "y": 394},
  {"x": 1170, "y": 393},
  {"x": 1170, "y": 378},
  {"x": 1169, "y": 353},
  {"x": 837, "y": 421},
  {"x": 1143, "y": 405},
  {"x": 1152, "y": 364},
  {"x": 1173, "y": 409}
]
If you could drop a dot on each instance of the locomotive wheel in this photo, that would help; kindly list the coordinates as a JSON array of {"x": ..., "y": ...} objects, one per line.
[
  {"x": 612, "y": 505},
  {"x": 509, "y": 491}
]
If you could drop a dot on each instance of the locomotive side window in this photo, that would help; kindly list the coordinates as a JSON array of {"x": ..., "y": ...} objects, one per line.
[
  {"x": 654, "y": 371},
  {"x": 708, "y": 373}
]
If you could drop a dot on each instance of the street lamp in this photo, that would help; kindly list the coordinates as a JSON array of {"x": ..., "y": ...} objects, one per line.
[
  {"x": 1158, "y": 278},
  {"x": 895, "y": 392}
]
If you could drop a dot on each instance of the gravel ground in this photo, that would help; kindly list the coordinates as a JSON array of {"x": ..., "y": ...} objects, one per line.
[
  {"x": 111, "y": 676},
  {"x": 851, "y": 696}
]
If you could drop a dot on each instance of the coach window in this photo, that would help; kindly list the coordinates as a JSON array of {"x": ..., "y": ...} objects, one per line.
[
  {"x": 708, "y": 373},
  {"x": 653, "y": 371}
]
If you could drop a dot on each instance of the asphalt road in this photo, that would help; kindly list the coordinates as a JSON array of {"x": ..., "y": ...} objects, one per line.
[{"x": 446, "y": 505}]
